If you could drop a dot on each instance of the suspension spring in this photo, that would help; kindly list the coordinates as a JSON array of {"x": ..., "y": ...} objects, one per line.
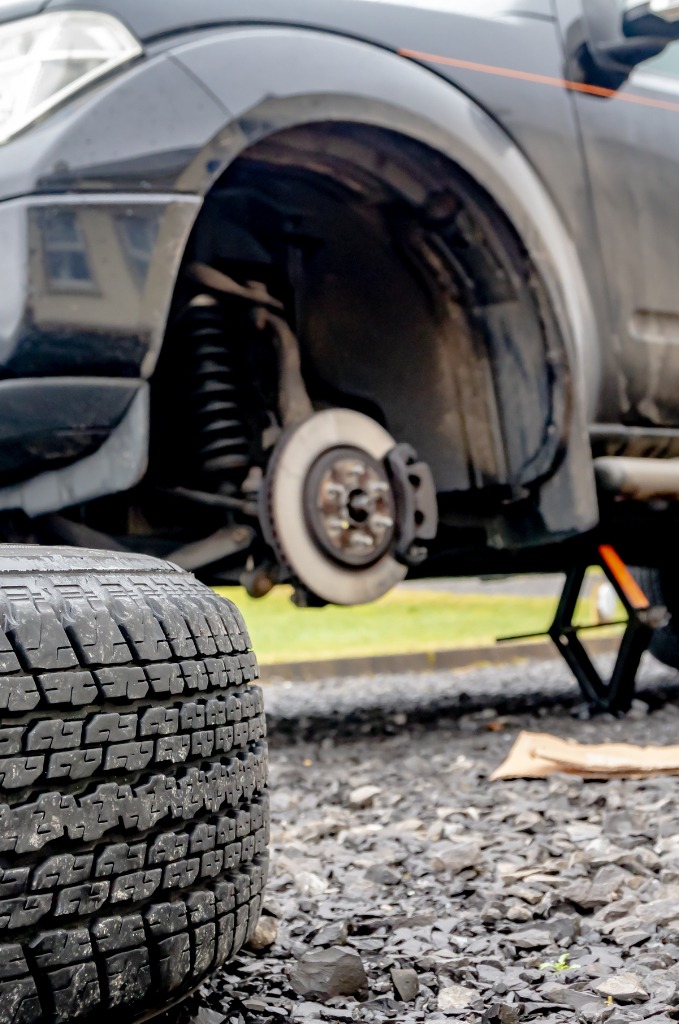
[{"x": 221, "y": 448}]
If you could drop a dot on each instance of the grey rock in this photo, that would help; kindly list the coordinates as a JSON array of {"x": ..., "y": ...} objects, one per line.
[
  {"x": 325, "y": 973},
  {"x": 623, "y": 988},
  {"x": 455, "y": 997},
  {"x": 502, "y": 1013},
  {"x": 207, "y": 1016},
  {"x": 382, "y": 875},
  {"x": 510, "y": 850},
  {"x": 542, "y": 934},
  {"x": 406, "y": 983},
  {"x": 456, "y": 857},
  {"x": 566, "y": 995},
  {"x": 335, "y": 934},
  {"x": 363, "y": 796},
  {"x": 536, "y": 937}
]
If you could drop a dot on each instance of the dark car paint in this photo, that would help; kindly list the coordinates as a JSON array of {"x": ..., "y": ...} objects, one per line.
[
  {"x": 631, "y": 153},
  {"x": 13, "y": 9},
  {"x": 122, "y": 149}
]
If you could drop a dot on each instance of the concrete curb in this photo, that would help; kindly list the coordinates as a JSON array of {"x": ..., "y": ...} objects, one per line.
[{"x": 426, "y": 661}]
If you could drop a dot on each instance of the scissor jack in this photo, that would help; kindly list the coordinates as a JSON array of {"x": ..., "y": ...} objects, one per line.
[{"x": 616, "y": 694}]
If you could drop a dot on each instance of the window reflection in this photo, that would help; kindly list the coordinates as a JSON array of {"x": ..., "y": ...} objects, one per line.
[
  {"x": 67, "y": 265},
  {"x": 139, "y": 239}
]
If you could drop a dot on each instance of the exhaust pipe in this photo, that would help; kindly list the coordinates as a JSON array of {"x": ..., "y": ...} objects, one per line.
[{"x": 638, "y": 479}]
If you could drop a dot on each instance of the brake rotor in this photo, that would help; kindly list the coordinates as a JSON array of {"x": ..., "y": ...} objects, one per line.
[{"x": 330, "y": 509}]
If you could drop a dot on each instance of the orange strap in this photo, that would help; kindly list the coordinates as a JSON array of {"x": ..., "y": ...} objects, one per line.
[{"x": 623, "y": 577}]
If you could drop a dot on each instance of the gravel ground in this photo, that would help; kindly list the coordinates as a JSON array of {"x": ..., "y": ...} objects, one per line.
[{"x": 406, "y": 887}]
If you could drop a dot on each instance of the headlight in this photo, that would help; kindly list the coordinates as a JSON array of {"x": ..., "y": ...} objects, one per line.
[{"x": 45, "y": 59}]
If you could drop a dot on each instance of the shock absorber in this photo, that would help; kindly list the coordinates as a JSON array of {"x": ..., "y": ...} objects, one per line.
[{"x": 220, "y": 448}]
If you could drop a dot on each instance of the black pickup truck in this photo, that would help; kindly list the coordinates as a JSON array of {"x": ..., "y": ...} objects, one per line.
[{"x": 325, "y": 293}]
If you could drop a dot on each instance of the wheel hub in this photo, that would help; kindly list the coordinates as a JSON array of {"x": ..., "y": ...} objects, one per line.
[
  {"x": 337, "y": 503},
  {"x": 350, "y": 506}
]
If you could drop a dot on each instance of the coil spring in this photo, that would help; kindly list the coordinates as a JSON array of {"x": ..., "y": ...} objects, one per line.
[{"x": 222, "y": 449}]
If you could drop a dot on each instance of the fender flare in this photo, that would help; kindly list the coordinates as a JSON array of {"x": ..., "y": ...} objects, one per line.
[{"x": 270, "y": 79}]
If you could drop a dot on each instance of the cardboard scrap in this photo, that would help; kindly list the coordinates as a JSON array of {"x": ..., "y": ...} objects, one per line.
[{"x": 536, "y": 755}]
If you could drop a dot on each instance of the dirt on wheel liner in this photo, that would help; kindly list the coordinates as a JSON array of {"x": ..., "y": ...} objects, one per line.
[{"x": 462, "y": 898}]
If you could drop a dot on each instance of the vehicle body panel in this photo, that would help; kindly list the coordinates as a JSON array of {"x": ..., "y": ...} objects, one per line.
[
  {"x": 631, "y": 147},
  {"x": 112, "y": 183},
  {"x": 539, "y": 121}
]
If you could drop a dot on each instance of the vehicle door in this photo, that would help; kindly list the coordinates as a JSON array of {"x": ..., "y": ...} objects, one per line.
[{"x": 628, "y": 112}]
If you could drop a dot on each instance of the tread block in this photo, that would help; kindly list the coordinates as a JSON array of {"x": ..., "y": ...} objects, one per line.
[
  {"x": 226, "y": 830},
  {"x": 203, "y": 837},
  {"x": 119, "y": 932},
  {"x": 167, "y": 847},
  {"x": 166, "y": 919},
  {"x": 138, "y": 885},
  {"x": 11, "y": 740},
  {"x": 205, "y": 947},
  {"x": 12, "y": 962},
  {"x": 217, "y": 674},
  {"x": 200, "y": 630},
  {"x": 181, "y": 873},
  {"x": 98, "y": 812},
  {"x": 242, "y": 925},
  {"x": 201, "y": 906},
  {"x": 195, "y": 676},
  {"x": 174, "y": 627},
  {"x": 174, "y": 749},
  {"x": 64, "y": 869},
  {"x": 159, "y": 722},
  {"x": 215, "y": 711},
  {"x": 82, "y": 899},
  {"x": 165, "y": 679},
  {"x": 242, "y": 818},
  {"x": 75, "y": 991},
  {"x": 17, "y": 772},
  {"x": 141, "y": 629},
  {"x": 75, "y": 764},
  {"x": 234, "y": 625},
  {"x": 202, "y": 744},
  {"x": 224, "y": 739},
  {"x": 23, "y": 911},
  {"x": 8, "y": 659},
  {"x": 18, "y": 693},
  {"x": 225, "y": 898},
  {"x": 19, "y": 1002},
  {"x": 53, "y": 734},
  {"x": 120, "y": 858},
  {"x": 192, "y": 716},
  {"x": 232, "y": 855},
  {"x": 211, "y": 863},
  {"x": 95, "y": 635},
  {"x": 225, "y": 935},
  {"x": 129, "y": 757},
  {"x": 60, "y": 948},
  {"x": 39, "y": 638},
  {"x": 122, "y": 683},
  {"x": 174, "y": 960},
  {"x": 74, "y": 688},
  {"x": 109, "y": 727},
  {"x": 13, "y": 881},
  {"x": 234, "y": 707},
  {"x": 128, "y": 976}
]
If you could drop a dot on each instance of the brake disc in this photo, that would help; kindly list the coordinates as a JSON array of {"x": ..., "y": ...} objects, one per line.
[{"x": 332, "y": 509}]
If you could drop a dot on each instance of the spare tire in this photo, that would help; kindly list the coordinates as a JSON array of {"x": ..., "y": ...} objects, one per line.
[{"x": 134, "y": 813}]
